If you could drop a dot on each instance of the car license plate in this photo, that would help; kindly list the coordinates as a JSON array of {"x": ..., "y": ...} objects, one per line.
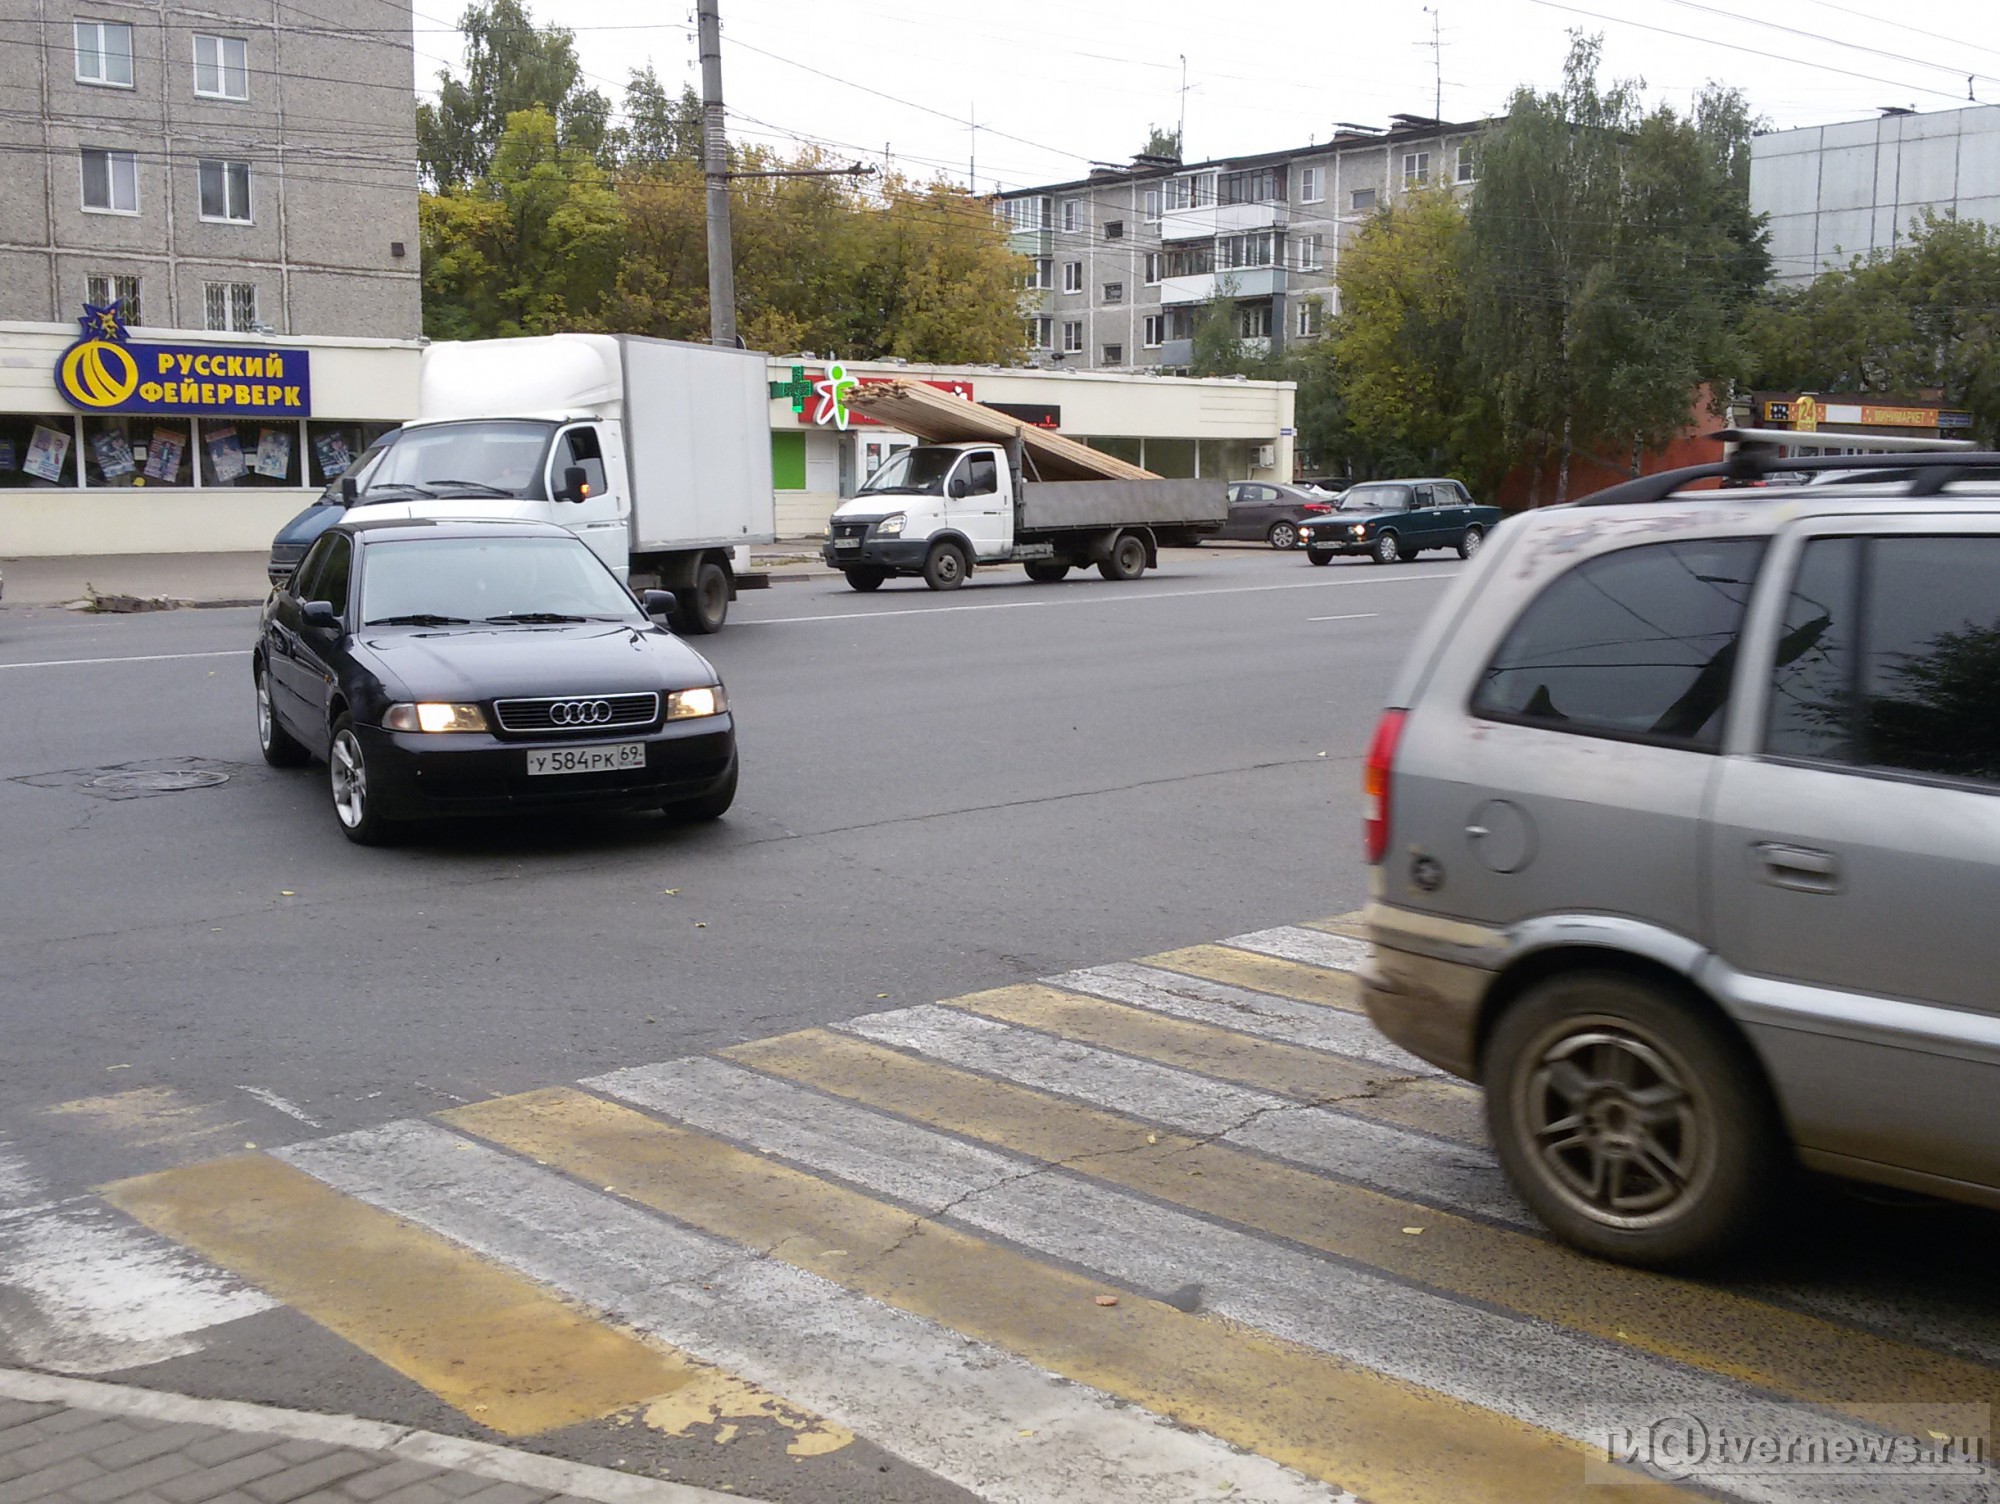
[
  {"x": 847, "y": 543},
  {"x": 604, "y": 759}
]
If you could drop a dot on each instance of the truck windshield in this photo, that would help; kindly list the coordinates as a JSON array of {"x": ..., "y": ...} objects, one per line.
[
  {"x": 502, "y": 457},
  {"x": 918, "y": 472},
  {"x": 1375, "y": 499}
]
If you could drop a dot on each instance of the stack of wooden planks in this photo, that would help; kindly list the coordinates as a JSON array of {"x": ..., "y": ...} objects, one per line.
[{"x": 940, "y": 418}]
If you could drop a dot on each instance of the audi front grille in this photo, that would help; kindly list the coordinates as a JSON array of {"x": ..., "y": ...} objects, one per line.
[{"x": 563, "y": 714}]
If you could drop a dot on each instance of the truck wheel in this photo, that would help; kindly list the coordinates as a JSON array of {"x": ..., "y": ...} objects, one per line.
[
  {"x": 866, "y": 577},
  {"x": 706, "y": 607},
  {"x": 1469, "y": 541},
  {"x": 1282, "y": 535},
  {"x": 1047, "y": 572},
  {"x": 1388, "y": 549},
  {"x": 1319, "y": 556},
  {"x": 1127, "y": 559},
  {"x": 944, "y": 566}
]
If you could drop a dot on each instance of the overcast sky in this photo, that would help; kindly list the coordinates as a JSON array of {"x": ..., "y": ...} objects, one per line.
[{"x": 1058, "y": 84}]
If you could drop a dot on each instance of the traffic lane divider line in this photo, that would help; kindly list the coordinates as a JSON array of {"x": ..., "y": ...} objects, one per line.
[
  {"x": 920, "y": 1390},
  {"x": 1800, "y": 1356},
  {"x": 139, "y": 658},
  {"x": 487, "y": 1341},
  {"x": 1389, "y": 1441},
  {"x": 1261, "y": 973},
  {"x": 1442, "y": 1108}
]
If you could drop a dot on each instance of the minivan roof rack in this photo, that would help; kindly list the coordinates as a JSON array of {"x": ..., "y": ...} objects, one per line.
[{"x": 1757, "y": 458}]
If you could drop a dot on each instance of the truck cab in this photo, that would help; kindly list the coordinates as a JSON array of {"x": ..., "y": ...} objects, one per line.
[{"x": 963, "y": 493}]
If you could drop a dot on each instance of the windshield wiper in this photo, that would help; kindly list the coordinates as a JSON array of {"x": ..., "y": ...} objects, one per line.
[
  {"x": 420, "y": 619},
  {"x": 536, "y": 618},
  {"x": 483, "y": 487}
]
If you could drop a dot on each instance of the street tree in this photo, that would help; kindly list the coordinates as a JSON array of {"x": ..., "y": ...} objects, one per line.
[
  {"x": 510, "y": 65},
  {"x": 659, "y": 127},
  {"x": 1161, "y": 142}
]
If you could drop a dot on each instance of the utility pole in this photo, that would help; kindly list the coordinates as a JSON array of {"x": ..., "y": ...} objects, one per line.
[{"x": 715, "y": 159}]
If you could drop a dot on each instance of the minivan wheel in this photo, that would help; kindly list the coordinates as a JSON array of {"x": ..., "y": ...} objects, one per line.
[
  {"x": 1633, "y": 1125},
  {"x": 1387, "y": 549}
]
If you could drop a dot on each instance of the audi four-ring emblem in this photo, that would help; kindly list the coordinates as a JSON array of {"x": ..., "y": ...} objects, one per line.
[{"x": 579, "y": 712}]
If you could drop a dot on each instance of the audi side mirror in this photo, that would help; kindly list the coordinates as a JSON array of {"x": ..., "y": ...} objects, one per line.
[
  {"x": 348, "y": 490},
  {"x": 659, "y": 603},
  {"x": 575, "y": 484},
  {"x": 319, "y": 615}
]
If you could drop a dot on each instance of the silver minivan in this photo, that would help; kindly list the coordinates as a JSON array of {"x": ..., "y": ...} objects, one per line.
[{"x": 1684, "y": 832}]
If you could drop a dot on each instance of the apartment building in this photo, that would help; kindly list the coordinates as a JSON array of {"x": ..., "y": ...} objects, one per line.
[
  {"x": 240, "y": 166},
  {"x": 1124, "y": 262}
]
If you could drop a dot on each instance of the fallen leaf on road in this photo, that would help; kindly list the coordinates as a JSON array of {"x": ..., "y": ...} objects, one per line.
[
  {"x": 670, "y": 892},
  {"x": 1107, "y": 1300},
  {"x": 1152, "y": 1138},
  {"x": 286, "y": 893},
  {"x": 1413, "y": 1231},
  {"x": 880, "y": 995},
  {"x": 699, "y": 925}
]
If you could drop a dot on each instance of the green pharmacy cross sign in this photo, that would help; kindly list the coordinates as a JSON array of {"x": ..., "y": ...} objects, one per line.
[{"x": 798, "y": 389}]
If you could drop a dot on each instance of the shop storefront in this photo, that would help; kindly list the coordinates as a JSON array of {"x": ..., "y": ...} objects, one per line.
[
  {"x": 141, "y": 440},
  {"x": 1824, "y": 413},
  {"x": 1228, "y": 429}
]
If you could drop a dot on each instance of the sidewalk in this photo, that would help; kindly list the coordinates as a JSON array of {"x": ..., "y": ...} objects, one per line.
[
  {"x": 238, "y": 579},
  {"x": 71, "y": 1441}
]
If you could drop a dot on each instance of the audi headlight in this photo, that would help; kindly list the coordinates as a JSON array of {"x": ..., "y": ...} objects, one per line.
[
  {"x": 686, "y": 704},
  {"x": 891, "y": 526},
  {"x": 432, "y": 716}
]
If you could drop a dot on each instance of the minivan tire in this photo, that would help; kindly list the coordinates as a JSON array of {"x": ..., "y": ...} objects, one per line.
[
  {"x": 1591, "y": 1046},
  {"x": 944, "y": 566},
  {"x": 1388, "y": 549}
]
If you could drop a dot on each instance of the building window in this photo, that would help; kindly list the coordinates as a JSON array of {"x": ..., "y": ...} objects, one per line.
[
  {"x": 40, "y": 449},
  {"x": 231, "y": 306},
  {"x": 1264, "y": 185},
  {"x": 1156, "y": 330},
  {"x": 1028, "y": 213},
  {"x": 1416, "y": 168},
  {"x": 225, "y": 192},
  {"x": 135, "y": 451},
  {"x": 110, "y": 181},
  {"x": 1253, "y": 320},
  {"x": 1072, "y": 276},
  {"x": 1188, "y": 261},
  {"x": 1309, "y": 316},
  {"x": 124, "y": 291},
  {"x": 1039, "y": 332},
  {"x": 1114, "y": 229},
  {"x": 104, "y": 53},
  {"x": 1072, "y": 215},
  {"x": 1309, "y": 253},
  {"x": 221, "y": 67},
  {"x": 1152, "y": 268},
  {"x": 1114, "y": 292},
  {"x": 1152, "y": 206},
  {"x": 1040, "y": 271},
  {"x": 1312, "y": 185},
  {"x": 1467, "y": 166},
  {"x": 1072, "y": 337},
  {"x": 1114, "y": 355},
  {"x": 1234, "y": 251},
  {"x": 1362, "y": 200},
  {"x": 1193, "y": 192}
]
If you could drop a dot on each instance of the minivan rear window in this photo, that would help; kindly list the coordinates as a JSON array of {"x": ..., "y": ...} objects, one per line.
[{"x": 1637, "y": 644}]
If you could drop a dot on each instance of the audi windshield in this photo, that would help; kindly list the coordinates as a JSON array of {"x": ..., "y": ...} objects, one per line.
[{"x": 429, "y": 582}]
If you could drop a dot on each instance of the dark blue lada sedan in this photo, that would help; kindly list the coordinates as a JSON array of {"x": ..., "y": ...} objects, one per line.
[{"x": 461, "y": 668}]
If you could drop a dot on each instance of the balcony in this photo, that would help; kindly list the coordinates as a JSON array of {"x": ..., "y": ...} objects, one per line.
[
  {"x": 1250, "y": 282},
  {"x": 1175, "y": 354},
  {"x": 1031, "y": 242},
  {"x": 1209, "y": 220}
]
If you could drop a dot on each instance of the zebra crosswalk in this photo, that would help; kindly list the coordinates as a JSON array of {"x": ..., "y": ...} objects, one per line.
[{"x": 1176, "y": 1228}]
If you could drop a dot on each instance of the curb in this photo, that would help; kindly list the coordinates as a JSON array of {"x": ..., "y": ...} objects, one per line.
[{"x": 602, "y": 1485}]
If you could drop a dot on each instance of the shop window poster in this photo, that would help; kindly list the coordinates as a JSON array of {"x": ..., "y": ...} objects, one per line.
[
  {"x": 274, "y": 453},
  {"x": 163, "y": 455},
  {"x": 113, "y": 453},
  {"x": 334, "y": 455},
  {"x": 6, "y": 454},
  {"x": 46, "y": 452},
  {"x": 225, "y": 456}
]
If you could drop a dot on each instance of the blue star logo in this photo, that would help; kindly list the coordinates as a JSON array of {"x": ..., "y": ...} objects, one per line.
[{"x": 104, "y": 321}]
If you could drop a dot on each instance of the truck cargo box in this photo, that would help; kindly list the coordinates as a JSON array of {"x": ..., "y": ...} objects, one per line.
[
  {"x": 1047, "y": 506},
  {"x": 697, "y": 444}
]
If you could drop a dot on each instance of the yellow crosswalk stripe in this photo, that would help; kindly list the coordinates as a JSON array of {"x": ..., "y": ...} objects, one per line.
[
  {"x": 484, "y": 1339},
  {"x": 1242, "y": 968},
  {"x": 1430, "y": 1105},
  {"x": 1340, "y": 924},
  {"x": 1800, "y": 1356},
  {"x": 1385, "y": 1439}
]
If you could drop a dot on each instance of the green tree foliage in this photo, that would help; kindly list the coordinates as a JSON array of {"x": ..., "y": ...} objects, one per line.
[
  {"x": 658, "y": 126},
  {"x": 1609, "y": 252},
  {"x": 530, "y": 247},
  {"x": 1926, "y": 317},
  {"x": 1161, "y": 142},
  {"x": 510, "y": 65}
]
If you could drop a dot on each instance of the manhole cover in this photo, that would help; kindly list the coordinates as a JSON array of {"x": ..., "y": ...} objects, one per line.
[{"x": 157, "y": 781}]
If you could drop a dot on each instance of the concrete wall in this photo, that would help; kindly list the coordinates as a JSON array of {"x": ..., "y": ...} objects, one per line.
[
  {"x": 1838, "y": 191},
  {"x": 328, "y": 129}
]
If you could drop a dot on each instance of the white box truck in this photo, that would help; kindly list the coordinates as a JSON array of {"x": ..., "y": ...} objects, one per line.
[{"x": 656, "y": 453}]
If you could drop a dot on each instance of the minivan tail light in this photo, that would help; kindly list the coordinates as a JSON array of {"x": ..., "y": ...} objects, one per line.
[{"x": 1375, "y": 778}]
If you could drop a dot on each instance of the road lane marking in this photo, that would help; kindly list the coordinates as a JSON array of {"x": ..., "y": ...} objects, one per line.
[
  {"x": 1541, "y": 1374},
  {"x": 139, "y": 658},
  {"x": 1314, "y": 947},
  {"x": 1324, "y": 1138},
  {"x": 1308, "y": 1024},
  {"x": 1709, "y": 1326},
  {"x": 1264, "y": 973},
  {"x": 1391, "y": 1442},
  {"x": 1096, "y": 598},
  {"x": 1357, "y": 616},
  {"x": 484, "y": 1339},
  {"x": 280, "y": 1104},
  {"x": 909, "y": 1383}
]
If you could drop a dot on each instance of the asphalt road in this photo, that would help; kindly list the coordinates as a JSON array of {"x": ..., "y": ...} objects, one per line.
[{"x": 940, "y": 793}]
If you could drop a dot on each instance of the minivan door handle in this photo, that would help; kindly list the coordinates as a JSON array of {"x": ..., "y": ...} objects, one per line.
[{"x": 1799, "y": 868}]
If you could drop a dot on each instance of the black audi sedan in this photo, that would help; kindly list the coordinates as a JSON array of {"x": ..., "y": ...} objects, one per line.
[{"x": 471, "y": 668}]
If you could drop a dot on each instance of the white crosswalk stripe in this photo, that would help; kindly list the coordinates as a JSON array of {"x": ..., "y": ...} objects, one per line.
[{"x": 1292, "y": 942}]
